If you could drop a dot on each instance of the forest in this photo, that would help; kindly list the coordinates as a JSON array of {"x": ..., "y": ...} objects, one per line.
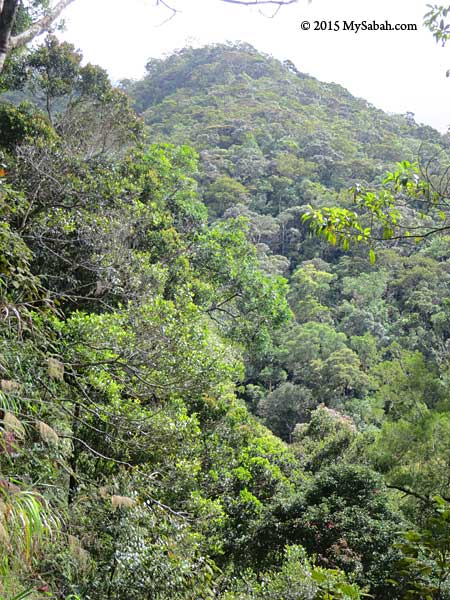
[{"x": 224, "y": 332}]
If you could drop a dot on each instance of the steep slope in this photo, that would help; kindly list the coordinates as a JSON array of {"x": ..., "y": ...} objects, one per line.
[
  {"x": 276, "y": 131},
  {"x": 131, "y": 329}
]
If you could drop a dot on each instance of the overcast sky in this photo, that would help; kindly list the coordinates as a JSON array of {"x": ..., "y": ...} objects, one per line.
[{"x": 397, "y": 71}]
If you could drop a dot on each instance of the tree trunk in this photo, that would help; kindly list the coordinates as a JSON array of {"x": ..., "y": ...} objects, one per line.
[
  {"x": 7, "y": 18},
  {"x": 8, "y": 12}
]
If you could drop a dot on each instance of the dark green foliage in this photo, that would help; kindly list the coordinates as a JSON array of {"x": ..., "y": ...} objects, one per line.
[
  {"x": 345, "y": 518},
  {"x": 125, "y": 318},
  {"x": 324, "y": 439},
  {"x": 298, "y": 579},
  {"x": 136, "y": 332},
  {"x": 424, "y": 567},
  {"x": 360, "y": 375},
  {"x": 21, "y": 124},
  {"x": 285, "y": 407},
  {"x": 283, "y": 138}
]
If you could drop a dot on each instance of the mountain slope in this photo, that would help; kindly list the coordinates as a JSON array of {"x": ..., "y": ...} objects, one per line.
[{"x": 253, "y": 118}]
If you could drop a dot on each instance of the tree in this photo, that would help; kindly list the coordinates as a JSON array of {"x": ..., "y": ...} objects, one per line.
[
  {"x": 436, "y": 21},
  {"x": 299, "y": 578},
  {"x": 306, "y": 347},
  {"x": 123, "y": 320},
  {"x": 309, "y": 292},
  {"x": 20, "y": 22},
  {"x": 91, "y": 117},
  {"x": 286, "y": 406},
  {"x": 382, "y": 214},
  {"x": 347, "y": 518},
  {"x": 411, "y": 204},
  {"x": 325, "y": 439},
  {"x": 424, "y": 568}
]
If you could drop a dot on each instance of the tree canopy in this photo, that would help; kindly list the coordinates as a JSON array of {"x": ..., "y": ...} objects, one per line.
[{"x": 199, "y": 398}]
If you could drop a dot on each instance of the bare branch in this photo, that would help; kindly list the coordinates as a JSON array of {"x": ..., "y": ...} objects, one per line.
[
  {"x": 409, "y": 492},
  {"x": 41, "y": 26},
  {"x": 173, "y": 10},
  {"x": 278, "y": 4}
]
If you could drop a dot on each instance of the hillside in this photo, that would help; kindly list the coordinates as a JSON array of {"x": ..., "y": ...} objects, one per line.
[
  {"x": 196, "y": 405},
  {"x": 271, "y": 139},
  {"x": 370, "y": 340},
  {"x": 253, "y": 118}
]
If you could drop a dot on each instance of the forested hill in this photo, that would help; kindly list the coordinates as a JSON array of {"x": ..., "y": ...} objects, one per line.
[
  {"x": 196, "y": 406},
  {"x": 279, "y": 133}
]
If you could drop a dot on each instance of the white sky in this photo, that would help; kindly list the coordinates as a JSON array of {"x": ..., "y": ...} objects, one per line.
[{"x": 397, "y": 71}]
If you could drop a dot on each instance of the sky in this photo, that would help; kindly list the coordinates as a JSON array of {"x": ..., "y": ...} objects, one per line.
[{"x": 397, "y": 71}]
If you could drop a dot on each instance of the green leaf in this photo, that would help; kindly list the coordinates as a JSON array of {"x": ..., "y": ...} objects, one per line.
[
  {"x": 24, "y": 594},
  {"x": 318, "y": 576}
]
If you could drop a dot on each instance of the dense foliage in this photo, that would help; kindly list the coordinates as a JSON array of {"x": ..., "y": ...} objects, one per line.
[{"x": 198, "y": 398}]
